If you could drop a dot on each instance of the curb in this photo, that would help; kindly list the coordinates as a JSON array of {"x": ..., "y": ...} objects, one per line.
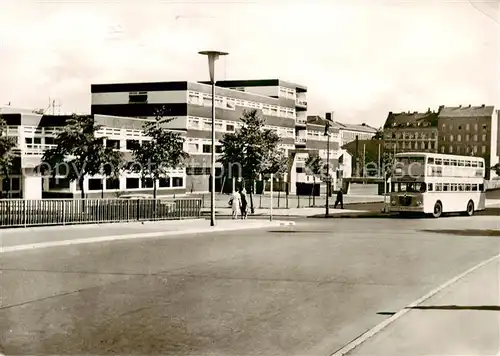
[
  {"x": 367, "y": 215},
  {"x": 88, "y": 240}
]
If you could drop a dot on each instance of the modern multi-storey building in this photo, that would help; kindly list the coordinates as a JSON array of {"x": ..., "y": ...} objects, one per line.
[
  {"x": 282, "y": 104},
  {"x": 35, "y": 134},
  {"x": 349, "y": 132},
  {"x": 411, "y": 131}
]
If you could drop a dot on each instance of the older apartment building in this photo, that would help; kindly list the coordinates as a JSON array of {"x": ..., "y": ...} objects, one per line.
[
  {"x": 470, "y": 130},
  {"x": 461, "y": 130},
  {"x": 411, "y": 131},
  {"x": 282, "y": 104}
]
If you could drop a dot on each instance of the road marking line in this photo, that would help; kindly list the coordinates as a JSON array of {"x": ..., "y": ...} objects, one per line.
[
  {"x": 87, "y": 240},
  {"x": 375, "y": 330}
]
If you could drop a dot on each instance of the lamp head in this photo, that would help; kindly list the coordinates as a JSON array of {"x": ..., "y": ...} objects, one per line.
[{"x": 212, "y": 57}]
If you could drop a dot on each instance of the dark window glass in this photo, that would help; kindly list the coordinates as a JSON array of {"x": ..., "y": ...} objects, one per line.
[
  {"x": 95, "y": 184},
  {"x": 132, "y": 183}
]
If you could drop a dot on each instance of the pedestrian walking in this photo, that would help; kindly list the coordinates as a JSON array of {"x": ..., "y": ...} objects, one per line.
[
  {"x": 339, "y": 200},
  {"x": 244, "y": 204},
  {"x": 235, "y": 204}
]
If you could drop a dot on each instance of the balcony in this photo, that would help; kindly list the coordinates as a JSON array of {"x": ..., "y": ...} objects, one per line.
[
  {"x": 37, "y": 149},
  {"x": 300, "y": 141},
  {"x": 300, "y": 102},
  {"x": 300, "y": 122}
]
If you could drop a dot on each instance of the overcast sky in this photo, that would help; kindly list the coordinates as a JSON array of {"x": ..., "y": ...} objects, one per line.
[{"x": 360, "y": 59}]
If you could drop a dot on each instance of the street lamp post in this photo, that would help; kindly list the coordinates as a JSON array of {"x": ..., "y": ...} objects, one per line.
[
  {"x": 212, "y": 57},
  {"x": 327, "y": 134}
]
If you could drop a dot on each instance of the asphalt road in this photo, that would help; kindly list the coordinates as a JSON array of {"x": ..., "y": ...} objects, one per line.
[{"x": 303, "y": 290}]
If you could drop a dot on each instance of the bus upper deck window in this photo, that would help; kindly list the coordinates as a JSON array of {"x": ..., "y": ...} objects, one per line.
[
  {"x": 474, "y": 163},
  {"x": 467, "y": 163},
  {"x": 438, "y": 161},
  {"x": 430, "y": 160},
  {"x": 454, "y": 162},
  {"x": 481, "y": 164},
  {"x": 429, "y": 187},
  {"x": 461, "y": 163},
  {"x": 481, "y": 187},
  {"x": 446, "y": 162}
]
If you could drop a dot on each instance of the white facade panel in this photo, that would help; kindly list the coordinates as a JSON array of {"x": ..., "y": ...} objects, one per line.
[
  {"x": 154, "y": 97},
  {"x": 265, "y": 90}
]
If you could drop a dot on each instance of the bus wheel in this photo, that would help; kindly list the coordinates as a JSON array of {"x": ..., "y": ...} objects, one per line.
[
  {"x": 470, "y": 208},
  {"x": 438, "y": 209}
]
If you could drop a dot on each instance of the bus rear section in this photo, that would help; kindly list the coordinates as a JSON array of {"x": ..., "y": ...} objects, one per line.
[{"x": 434, "y": 184}]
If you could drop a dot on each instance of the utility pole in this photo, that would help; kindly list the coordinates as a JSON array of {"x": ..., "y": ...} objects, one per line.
[
  {"x": 327, "y": 134},
  {"x": 356, "y": 159}
]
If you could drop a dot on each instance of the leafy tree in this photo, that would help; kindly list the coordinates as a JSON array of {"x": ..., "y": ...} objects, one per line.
[
  {"x": 81, "y": 153},
  {"x": 314, "y": 166},
  {"x": 249, "y": 149},
  {"x": 163, "y": 152},
  {"x": 277, "y": 165},
  {"x": 379, "y": 135},
  {"x": 7, "y": 153},
  {"x": 387, "y": 163},
  {"x": 496, "y": 169}
]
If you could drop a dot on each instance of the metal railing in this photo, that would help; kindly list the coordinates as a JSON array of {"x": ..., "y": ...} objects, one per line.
[{"x": 43, "y": 212}]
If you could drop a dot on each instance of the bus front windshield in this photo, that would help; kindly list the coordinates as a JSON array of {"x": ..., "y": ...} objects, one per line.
[{"x": 411, "y": 187}]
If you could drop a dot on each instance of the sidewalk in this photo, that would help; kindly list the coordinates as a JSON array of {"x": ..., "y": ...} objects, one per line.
[
  {"x": 292, "y": 212},
  {"x": 462, "y": 318},
  {"x": 294, "y": 201},
  {"x": 38, "y": 237}
]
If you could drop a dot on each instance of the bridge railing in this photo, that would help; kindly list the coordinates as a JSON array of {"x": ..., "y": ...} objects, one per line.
[{"x": 43, "y": 212}]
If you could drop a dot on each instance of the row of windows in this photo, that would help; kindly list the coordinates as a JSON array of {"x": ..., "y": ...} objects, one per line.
[
  {"x": 455, "y": 162},
  {"x": 467, "y": 127},
  {"x": 198, "y": 123},
  {"x": 411, "y": 135},
  {"x": 467, "y": 149},
  {"x": 287, "y": 93},
  {"x": 35, "y": 133},
  {"x": 197, "y": 98},
  {"x": 114, "y": 183},
  {"x": 455, "y": 187},
  {"x": 412, "y": 124},
  {"x": 203, "y": 148},
  {"x": 416, "y": 187},
  {"x": 412, "y": 145},
  {"x": 467, "y": 137}
]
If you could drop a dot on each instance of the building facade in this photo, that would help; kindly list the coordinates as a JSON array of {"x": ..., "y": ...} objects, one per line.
[
  {"x": 462, "y": 130},
  {"x": 349, "y": 132},
  {"x": 35, "y": 134},
  {"x": 411, "y": 131},
  {"x": 282, "y": 104},
  {"x": 470, "y": 130}
]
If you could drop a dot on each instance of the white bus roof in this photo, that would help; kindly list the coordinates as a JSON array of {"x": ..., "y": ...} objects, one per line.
[{"x": 438, "y": 155}]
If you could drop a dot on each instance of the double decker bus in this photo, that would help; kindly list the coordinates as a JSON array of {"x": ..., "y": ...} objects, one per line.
[{"x": 432, "y": 183}]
